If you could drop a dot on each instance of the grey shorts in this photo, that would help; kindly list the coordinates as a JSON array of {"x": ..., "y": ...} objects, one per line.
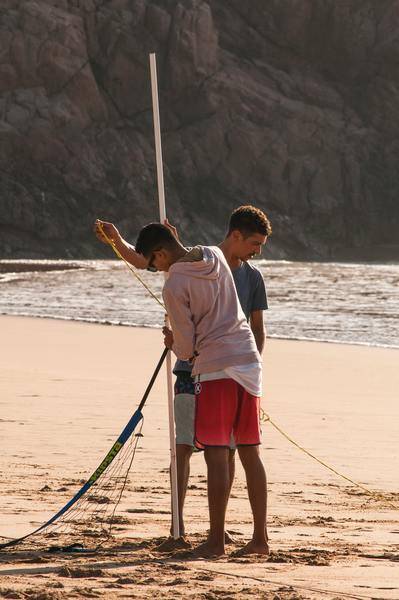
[
  {"x": 184, "y": 408},
  {"x": 184, "y": 404},
  {"x": 185, "y": 418}
]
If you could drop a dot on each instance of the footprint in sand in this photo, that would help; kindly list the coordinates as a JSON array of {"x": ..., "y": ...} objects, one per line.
[{"x": 77, "y": 572}]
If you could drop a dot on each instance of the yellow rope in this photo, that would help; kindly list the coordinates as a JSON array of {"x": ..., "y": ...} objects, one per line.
[
  {"x": 264, "y": 417},
  {"x": 132, "y": 269}
]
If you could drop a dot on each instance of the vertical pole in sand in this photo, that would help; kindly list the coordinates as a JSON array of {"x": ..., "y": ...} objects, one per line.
[{"x": 162, "y": 217}]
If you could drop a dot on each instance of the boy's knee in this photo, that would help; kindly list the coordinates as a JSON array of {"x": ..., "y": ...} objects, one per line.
[
  {"x": 249, "y": 454},
  {"x": 215, "y": 455},
  {"x": 183, "y": 451}
]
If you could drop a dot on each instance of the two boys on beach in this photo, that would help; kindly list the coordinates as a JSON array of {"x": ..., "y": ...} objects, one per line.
[{"x": 211, "y": 332}]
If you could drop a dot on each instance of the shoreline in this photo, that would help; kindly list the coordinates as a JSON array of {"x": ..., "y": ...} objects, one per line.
[
  {"x": 41, "y": 262},
  {"x": 158, "y": 327},
  {"x": 355, "y": 305}
]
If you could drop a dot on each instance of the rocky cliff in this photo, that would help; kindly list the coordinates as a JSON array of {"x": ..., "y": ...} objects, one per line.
[{"x": 292, "y": 106}]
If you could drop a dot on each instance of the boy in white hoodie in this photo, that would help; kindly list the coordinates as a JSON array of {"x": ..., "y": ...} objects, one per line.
[
  {"x": 210, "y": 328},
  {"x": 248, "y": 230}
]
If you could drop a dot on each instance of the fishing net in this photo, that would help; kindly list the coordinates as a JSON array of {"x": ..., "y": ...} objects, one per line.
[{"x": 86, "y": 521}]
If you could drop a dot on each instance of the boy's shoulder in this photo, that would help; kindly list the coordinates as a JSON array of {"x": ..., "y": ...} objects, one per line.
[{"x": 251, "y": 271}]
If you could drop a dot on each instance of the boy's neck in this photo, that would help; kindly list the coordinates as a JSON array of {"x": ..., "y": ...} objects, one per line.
[
  {"x": 228, "y": 250},
  {"x": 178, "y": 254}
]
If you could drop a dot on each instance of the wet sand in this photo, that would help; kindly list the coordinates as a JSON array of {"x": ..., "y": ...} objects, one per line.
[{"x": 66, "y": 391}]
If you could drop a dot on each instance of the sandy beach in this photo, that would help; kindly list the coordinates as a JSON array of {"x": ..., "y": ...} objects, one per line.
[{"x": 66, "y": 391}]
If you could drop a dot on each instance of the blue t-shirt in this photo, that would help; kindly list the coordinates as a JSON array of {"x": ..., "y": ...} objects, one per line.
[{"x": 251, "y": 292}]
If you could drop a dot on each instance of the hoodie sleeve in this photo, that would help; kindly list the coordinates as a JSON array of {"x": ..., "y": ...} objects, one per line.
[{"x": 179, "y": 313}]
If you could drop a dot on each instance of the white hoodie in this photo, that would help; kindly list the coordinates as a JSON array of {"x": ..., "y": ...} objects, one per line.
[{"x": 206, "y": 315}]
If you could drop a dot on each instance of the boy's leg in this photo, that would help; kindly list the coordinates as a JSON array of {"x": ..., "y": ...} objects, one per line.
[
  {"x": 228, "y": 539},
  {"x": 257, "y": 492},
  {"x": 183, "y": 456},
  {"x": 247, "y": 435},
  {"x": 184, "y": 404},
  {"x": 215, "y": 414},
  {"x": 217, "y": 460},
  {"x": 232, "y": 466}
]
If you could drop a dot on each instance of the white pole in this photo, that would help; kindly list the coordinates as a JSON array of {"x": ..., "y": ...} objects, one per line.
[{"x": 162, "y": 217}]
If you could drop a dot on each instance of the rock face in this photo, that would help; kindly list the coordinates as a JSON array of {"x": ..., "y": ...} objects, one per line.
[{"x": 292, "y": 106}]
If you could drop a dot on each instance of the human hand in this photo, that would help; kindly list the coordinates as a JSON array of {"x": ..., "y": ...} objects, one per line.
[
  {"x": 109, "y": 229},
  {"x": 172, "y": 229},
  {"x": 167, "y": 337}
]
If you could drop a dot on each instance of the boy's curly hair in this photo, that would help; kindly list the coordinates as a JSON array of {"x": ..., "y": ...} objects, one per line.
[{"x": 249, "y": 220}]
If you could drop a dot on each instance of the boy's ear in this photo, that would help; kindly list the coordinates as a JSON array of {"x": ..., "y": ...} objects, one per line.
[
  {"x": 161, "y": 253},
  {"x": 236, "y": 235}
]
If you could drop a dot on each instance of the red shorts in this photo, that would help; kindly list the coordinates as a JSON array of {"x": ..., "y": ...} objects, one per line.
[{"x": 224, "y": 407}]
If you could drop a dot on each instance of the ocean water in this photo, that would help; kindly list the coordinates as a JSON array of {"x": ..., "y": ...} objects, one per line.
[{"x": 347, "y": 303}]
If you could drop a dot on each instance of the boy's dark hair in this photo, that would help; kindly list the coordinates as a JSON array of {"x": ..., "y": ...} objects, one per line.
[
  {"x": 154, "y": 237},
  {"x": 249, "y": 220}
]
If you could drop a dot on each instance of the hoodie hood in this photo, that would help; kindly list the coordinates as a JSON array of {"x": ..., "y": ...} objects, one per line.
[{"x": 206, "y": 268}]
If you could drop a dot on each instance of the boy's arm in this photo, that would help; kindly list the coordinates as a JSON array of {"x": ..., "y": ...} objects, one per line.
[
  {"x": 258, "y": 329},
  {"x": 126, "y": 250},
  {"x": 181, "y": 322},
  {"x": 259, "y": 304}
]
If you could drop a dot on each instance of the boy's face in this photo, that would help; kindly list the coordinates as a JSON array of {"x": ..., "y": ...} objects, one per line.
[
  {"x": 246, "y": 248},
  {"x": 160, "y": 260}
]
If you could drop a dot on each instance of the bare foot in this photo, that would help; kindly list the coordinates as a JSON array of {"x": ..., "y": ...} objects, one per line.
[
  {"x": 253, "y": 548},
  {"x": 205, "y": 550},
  {"x": 170, "y": 544}
]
